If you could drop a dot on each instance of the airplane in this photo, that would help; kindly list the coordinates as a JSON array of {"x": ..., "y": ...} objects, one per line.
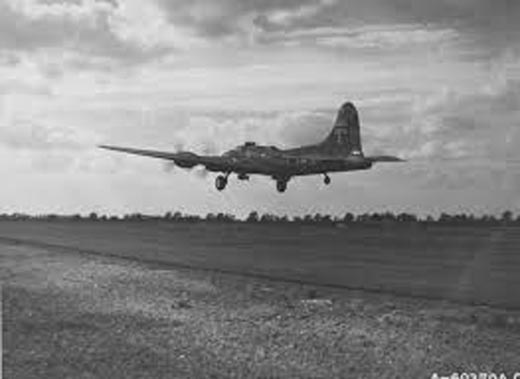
[{"x": 340, "y": 151}]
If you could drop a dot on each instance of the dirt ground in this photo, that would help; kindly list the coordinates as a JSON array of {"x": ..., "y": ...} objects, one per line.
[{"x": 70, "y": 315}]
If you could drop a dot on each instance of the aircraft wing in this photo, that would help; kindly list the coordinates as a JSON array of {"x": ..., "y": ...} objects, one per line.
[
  {"x": 147, "y": 153},
  {"x": 184, "y": 159}
]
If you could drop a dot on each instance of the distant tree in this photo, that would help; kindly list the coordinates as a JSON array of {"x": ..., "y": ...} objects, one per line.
[
  {"x": 253, "y": 217},
  {"x": 445, "y": 218},
  {"x": 93, "y": 216},
  {"x": 363, "y": 218},
  {"x": 317, "y": 218},
  {"x": 487, "y": 220},
  {"x": 406, "y": 217},
  {"x": 267, "y": 218},
  {"x": 224, "y": 217},
  {"x": 348, "y": 218},
  {"x": 307, "y": 219},
  {"x": 462, "y": 218},
  {"x": 136, "y": 217},
  {"x": 376, "y": 217},
  {"x": 177, "y": 216},
  {"x": 191, "y": 218},
  {"x": 507, "y": 217},
  {"x": 326, "y": 220},
  {"x": 283, "y": 219},
  {"x": 388, "y": 217},
  {"x": 167, "y": 216}
]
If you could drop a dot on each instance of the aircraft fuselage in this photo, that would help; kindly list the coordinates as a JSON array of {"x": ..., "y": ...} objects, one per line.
[{"x": 267, "y": 160}]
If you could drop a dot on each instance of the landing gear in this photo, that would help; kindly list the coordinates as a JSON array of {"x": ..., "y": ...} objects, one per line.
[
  {"x": 281, "y": 185},
  {"x": 221, "y": 182},
  {"x": 326, "y": 179}
]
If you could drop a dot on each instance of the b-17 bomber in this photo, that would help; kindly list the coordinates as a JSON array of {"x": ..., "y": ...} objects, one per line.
[{"x": 340, "y": 151}]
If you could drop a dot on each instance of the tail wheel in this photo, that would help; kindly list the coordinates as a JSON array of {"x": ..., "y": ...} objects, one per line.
[
  {"x": 220, "y": 182},
  {"x": 326, "y": 180},
  {"x": 281, "y": 185}
]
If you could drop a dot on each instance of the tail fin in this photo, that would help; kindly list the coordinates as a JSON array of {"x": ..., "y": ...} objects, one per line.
[{"x": 345, "y": 138}]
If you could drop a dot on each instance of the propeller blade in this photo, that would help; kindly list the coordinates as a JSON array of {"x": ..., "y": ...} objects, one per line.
[
  {"x": 169, "y": 166},
  {"x": 200, "y": 172}
]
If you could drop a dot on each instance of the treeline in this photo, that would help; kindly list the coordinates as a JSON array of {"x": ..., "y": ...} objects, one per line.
[{"x": 507, "y": 218}]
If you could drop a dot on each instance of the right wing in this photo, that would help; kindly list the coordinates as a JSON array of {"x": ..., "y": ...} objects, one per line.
[{"x": 184, "y": 159}]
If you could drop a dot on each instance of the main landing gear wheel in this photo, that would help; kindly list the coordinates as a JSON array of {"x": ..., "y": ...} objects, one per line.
[
  {"x": 281, "y": 185},
  {"x": 221, "y": 182},
  {"x": 326, "y": 180}
]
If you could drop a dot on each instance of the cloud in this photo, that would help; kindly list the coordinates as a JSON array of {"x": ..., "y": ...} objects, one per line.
[
  {"x": 493, "y": 25},
  {"x": 381, "y": 37},
  {"x": 91, "y": 28},
  {"x": 42, "y": 148},
  {"x": 26, "y": 135},
  {"x": 237, "y": 18},
  {"x": 459, "y": 140}
]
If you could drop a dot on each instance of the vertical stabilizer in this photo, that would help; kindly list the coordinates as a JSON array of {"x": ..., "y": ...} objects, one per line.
[{"x": 344, "y": 139}]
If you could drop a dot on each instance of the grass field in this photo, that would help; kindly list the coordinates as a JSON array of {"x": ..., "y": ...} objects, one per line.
[
  {"x": 70, "y": 315},
  {"x": 473, "y": 265}
]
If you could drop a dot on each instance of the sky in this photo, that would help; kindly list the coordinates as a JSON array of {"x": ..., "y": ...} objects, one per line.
[{"x": 436, "y": 82}]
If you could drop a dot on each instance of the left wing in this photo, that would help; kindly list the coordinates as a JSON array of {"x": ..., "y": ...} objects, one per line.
[
  {"x": 184, "y": 159},
  {"x": 147, "y": 153}
]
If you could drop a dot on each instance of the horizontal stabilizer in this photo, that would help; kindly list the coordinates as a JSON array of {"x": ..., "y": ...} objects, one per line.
[{"x": 384, "y": 158}]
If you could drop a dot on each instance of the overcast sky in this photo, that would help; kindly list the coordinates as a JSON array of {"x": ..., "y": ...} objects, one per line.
[{"x": 437, "y": 82}]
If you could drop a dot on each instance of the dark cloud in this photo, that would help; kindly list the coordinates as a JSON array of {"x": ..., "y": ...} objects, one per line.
[
  {"x": 493, "y": 23},
  {"x": 68, "y": 2},
  {"x": 93, "y": 37},
  {"x": 113, "y": 3},
  {"x": 9, "y": 58},
  {"x": 219, "y": 19}
]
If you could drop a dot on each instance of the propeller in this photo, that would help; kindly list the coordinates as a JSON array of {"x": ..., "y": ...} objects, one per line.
[
  {"x": 199, "y": 171},
  {"x": 169, "y": 166}
]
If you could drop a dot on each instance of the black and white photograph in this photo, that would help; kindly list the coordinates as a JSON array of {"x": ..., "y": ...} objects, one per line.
[{"x": 260, "y": 189}]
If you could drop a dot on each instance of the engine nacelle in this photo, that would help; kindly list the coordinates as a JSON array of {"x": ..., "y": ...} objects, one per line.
[{"x": 186, "y": 160}]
